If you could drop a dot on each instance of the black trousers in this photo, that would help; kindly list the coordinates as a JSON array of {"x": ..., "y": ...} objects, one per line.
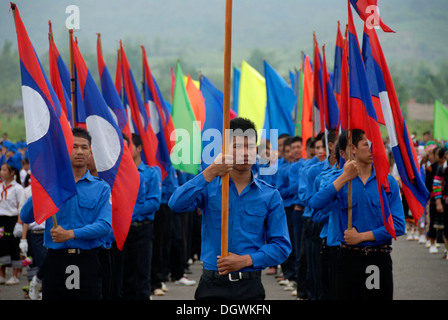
[
  {"x": 289, "y": 265},
  {"x": 356, "y": 271},
  {"x": 215, "y": 287},
  {"x": 63, "y": 271},
  {"x": 161, "y": 246},
  {"x": 137, "y": 258},
  {"x": 328, "y": 261}
]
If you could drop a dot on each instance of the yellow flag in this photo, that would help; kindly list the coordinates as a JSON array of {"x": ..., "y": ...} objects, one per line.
[{"x": 252, "y": 96}]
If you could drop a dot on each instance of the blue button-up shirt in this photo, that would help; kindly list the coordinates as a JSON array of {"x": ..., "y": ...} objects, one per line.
[
  {"x": 306, "y": 186},
  {"x": 282, "y": 183},
  {"x": 294, "y": 180},
  {"x": 149, "y": 193},
  {"x": 366, "y": 208},
  {"x": 302, "y": 183},
  {"x": 257, "y": 220},
  {"x": 88, "y": 214},
  {"x": 169, "y": 184},
  {"x": 327, "y": 215}
]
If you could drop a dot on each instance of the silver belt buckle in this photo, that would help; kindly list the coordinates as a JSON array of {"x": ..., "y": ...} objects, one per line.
[{"x": 240, "y": 276}]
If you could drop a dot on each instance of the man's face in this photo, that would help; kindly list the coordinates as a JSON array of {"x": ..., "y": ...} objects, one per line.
[
  {"x": 362, "y": 151},
  {"x": 287, "y": 153},
  {"x": 280, "y": 147},
  {"x": 296, "y": 149},
  {"x": 80, "y": 153},
  {"x": 320, "y": 150},
  {"x": 244, "y": 152}
]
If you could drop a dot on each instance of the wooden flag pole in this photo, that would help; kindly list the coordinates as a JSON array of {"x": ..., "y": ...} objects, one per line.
[
  {"x": 72, "y": 78},
  {"x": 226, "y": 127},
  {"x": 350, "y": 155}
]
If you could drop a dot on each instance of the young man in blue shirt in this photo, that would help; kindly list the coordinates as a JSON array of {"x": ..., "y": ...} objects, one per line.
[
  {"x": 137, "y": 249},
  {"x": 258, "y": 233},
  {"x": 84, "y": 221},
  {"x": 365, "y": 248}
]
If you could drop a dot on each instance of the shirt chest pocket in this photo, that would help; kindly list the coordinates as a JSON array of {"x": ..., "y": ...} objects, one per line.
[
  {"x": 86, "y": 209},
  {"x": 253, "y": 218}
]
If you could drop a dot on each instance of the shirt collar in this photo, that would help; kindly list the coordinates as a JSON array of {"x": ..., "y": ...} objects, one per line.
[
  {"x": 87, "y": 176},
  {"x": 253, "y": 181}
]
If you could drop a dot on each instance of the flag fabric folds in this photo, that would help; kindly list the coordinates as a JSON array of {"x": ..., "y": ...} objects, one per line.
[
  {"x": 196, "y": 101},
  {"x": 161, "y": 121},
  {"x": 440, "y": 121},
  {"x": 186, "y": 154},
  {"x": 331, "y": 108},
  {"x": 280, "y": 103},
  {"x": 318, "y": 110},
  {"x": 363, "y": 116},
  {"x": 414, "y": 188},
  {"x": 368, "y": 12},
  {"x": 236, "y": 88},
  {"x": 51, "y": 171},
  {"x": 113, "y": 160},
  {"x": 140, "y": 119},
  {"x": 336, "y": 78},
  {"x": 307, "y": 102},
  {"x": 59, "y": 77},
  {"x": 252, "y": 96}
]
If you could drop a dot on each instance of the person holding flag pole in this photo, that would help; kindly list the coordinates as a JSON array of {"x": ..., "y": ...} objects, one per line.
[
  {"x": 231, "y": 198},
  {"x": 364, "y": 266}
]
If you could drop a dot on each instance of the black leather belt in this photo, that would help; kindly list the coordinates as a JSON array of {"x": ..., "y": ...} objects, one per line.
[
  {"x": 37, "y": 231},
  {"x": 233, "y": 276},
  {"x": 140, "y": 223},
  {"x": 72, "y": 251},
  {"x": 368, "y": 249}
]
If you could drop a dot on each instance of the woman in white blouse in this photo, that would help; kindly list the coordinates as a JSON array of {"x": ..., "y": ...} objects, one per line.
[{"x": 11, "y": 201}]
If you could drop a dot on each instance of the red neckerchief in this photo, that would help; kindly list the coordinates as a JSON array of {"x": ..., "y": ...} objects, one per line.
[{"x": 5, "y": 191}]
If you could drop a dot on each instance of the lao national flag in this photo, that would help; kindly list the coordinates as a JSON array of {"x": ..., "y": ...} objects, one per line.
[
  {"x": 318, "y": 79},
  {"x": 113, "y": 161},
  {"x": 331, "y": 108},
  {"x": 59, "y": 77},
  {"x": 160, "y": 118},
  {"x": 363, "y": 116},
  {"x": 52, "y": 174},
  {"x": 140, "y": 117},
  {"x": 344, "y": 97},
  {"x": 368, "y": 11},
  {"x": 336, "y": 81},
  {"x": 414, "y": 189}
]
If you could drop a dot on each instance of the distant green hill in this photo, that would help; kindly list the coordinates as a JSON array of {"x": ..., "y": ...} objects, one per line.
[{"x": 193, "y": 32}]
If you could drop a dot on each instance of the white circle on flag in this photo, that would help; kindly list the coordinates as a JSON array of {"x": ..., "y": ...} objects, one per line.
[
  {"x": 154, "y": 117},
  {"x": 36, "y": 113},
  {"x": 106, "y": 147}
]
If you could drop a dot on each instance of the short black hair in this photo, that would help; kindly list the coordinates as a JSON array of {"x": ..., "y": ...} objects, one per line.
[
  {"x": 82, "y": 133},
  {"x": 296, "y": 139},
  {"x": 243, "y": 124},
  {"x": 136, "y": 140},
  {"x": 310, "y": 142},
  {"x": 357, "y": 135},
  {"x": 283, "y": 135},
  {"x": 287, "y": 142},
  {"x": 343, "y": 140}
]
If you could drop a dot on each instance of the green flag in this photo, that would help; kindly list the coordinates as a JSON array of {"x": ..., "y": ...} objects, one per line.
[
  {"x": 440, "y": 121},
  {"x": 186, "y": 154}
]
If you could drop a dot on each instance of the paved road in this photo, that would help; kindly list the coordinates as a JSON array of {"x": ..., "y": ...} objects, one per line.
[{"x": 418, "y": 275}]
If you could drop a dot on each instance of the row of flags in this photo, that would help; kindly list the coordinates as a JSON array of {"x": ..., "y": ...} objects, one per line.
[{"x": 314, "y": 101}]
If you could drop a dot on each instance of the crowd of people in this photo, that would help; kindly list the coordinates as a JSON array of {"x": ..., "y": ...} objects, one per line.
[{"x": 294, "y": 222}]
